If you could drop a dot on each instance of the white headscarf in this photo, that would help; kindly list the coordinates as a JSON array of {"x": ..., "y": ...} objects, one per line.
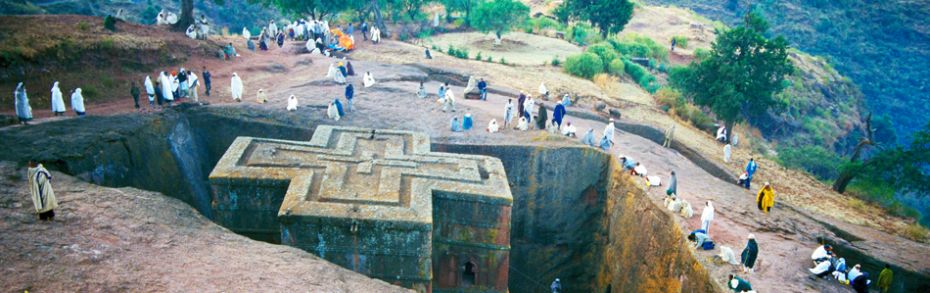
[
  {"x": 77, "y": 101},
  {"x": 236, "y": 87},
  {"x": 58, "y": 101},
  {"x": 292, "y": 103}
]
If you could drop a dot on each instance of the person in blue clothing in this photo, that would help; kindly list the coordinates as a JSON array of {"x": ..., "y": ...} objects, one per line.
[
  {"x": 483, "y": 87},
  {"x": 750, "y": 170},
  {"x": 350, "y": 91},
  {"x": 737, "y": 284},
  {"x": 558, "y": 113}
]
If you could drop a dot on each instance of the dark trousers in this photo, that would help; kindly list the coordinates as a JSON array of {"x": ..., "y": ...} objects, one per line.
[
  {"x": 47, "y": 216},
  {"x": 208, "y": 88}
]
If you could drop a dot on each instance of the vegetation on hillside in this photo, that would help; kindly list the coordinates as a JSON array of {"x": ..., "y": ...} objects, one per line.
[
  {"x": 498, "y": 16},
  {"x": 881, "y": 45},
  {"x": 740, "y": 78}
]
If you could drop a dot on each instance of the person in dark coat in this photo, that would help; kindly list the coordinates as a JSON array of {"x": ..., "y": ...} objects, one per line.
[
  {"x": 542, "y": 117},
  {"x": 206, "y": 80},
  {"x": 520, "y": 102},
  {"x": 134, "y": 91},
  {"x": 861, "y": 283},
  {"x": 737, "y": 284},
  {"x": 750, "y": 253},
  {"x": 558, "y": 113},
  {"x": 350, "y": 92}
]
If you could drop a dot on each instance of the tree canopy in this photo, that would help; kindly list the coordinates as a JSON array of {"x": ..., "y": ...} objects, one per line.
[
  {"x": 741, "y": 74},
  {"x": 314, "y": 8},
  {"x": 498, "y": 16},
  {"x": 609, "y": 16}
]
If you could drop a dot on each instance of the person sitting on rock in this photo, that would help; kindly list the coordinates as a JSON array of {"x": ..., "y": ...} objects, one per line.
[
  {"x": 455, "y": 125},
  {"x": 492, "y": 126},
  {"x": 588, "y": 138},
  {"x": 569, "y": 129},
  {"x": 332, "y": 112},
  {"x": 640, "y": 170},
  {"x": 522, "y": 124},
  {"x": 292, "y": 103}
]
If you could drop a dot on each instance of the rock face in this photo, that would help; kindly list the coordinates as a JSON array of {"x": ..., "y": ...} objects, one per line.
[
  {"x": 375, "y": 201},
  {"x": 126, "y": 239}
]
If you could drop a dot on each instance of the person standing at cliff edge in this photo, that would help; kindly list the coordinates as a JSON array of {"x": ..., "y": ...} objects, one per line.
[{"x": 40, "y": 186}]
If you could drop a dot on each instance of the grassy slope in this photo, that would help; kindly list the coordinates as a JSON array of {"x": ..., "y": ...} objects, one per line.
[
  {"x": 882, "y": 45},
  {"x": 78, "y": 52},
  {"x": 232, "y": 13}
]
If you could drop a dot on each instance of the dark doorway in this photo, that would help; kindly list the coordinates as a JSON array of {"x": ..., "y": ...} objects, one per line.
[{"x": 469, "y": 275}]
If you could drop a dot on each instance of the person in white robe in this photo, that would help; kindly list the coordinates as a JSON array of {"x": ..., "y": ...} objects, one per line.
[
  {"x": 493, "y": 127},
  {"x": 191, "y": 32},
  {"x": 707, "y": 216},
  {"x": 640, "y": 170},
  {"x": 150, "y": 91},
  {"x": 261, "y": 97},
  {"x": 552, "y": 128},
  {"x": 609, "y": 130},
  {"x": 292, "y": 103},
  {"x": 722, "y": 133},
  {"x": 448, "y": 103},
  {"x": 236, "y": 87},
  {"x": 166, "y": 90},
  {"x": 273, "y": 28},
  {"x": 569, "y": 130},
  {"x": 77, "y": 102},
  {"x": 332, "y": 112},
  {"x": 192, "y": 84},
  {"x": 727, "y": 152},
  {"x": 246, "y": 33},
  {"x": 21, "y": 104},
  {"x": 543, "y": 90},
  {"x": 588, "y": 138},
  {"x": 522, "y": 124},
  {"x": 508, "y": 113},
  {"x": 58, "y": 101},
  {"x": 375, "y": 35},
  {"x": 43, "y": 196},
  {"x": 204, "y": 27},
  {"x": 735, "y": 139},
  {"x": 421, "y": 92},
  {"x": 368, "y": 80},
  {"x": 529, "y": 106}
]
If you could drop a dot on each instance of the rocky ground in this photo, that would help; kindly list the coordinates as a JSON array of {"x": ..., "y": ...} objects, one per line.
[
  {"x": 786, "y": 236},
  {"x": 125, "y": 239}
]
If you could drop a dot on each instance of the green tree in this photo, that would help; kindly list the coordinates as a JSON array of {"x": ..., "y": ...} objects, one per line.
[
  {"x": 316, "y": 9},
  {"x": 463, "y": 6},
  {"x": 742, "y": 73},
  {"x": 907, "y": 169},
  {"x": 498, "y": 16},
  {"x": 609, "y": 16}
]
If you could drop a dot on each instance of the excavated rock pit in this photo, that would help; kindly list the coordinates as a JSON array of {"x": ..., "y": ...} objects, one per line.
[{"x": 584, "y": 222}]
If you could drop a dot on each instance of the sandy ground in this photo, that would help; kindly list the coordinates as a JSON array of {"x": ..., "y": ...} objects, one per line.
[
  {"x": 516, "y": 47},
  {"x": 127, "y": 240},
  {"x": 786, "y": 236}
]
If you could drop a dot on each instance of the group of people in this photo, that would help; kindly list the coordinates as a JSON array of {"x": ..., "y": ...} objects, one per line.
[
  {"x": 24, "y": 109},
  {"x": 170, "y": 87},
  {"x": 200, "y": 29},
  {"x": 827, "y": 264}
]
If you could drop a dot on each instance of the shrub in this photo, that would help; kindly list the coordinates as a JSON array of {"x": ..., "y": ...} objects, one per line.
[
  {"x": 634, "y": 70},
  {"x": 584, "y": 65},
  {"x": 603, "y": 50},
  {"x": 109, "y": 22},
  {"x": 451, "y": 51},
  {"x": 701, "y": 54},
  {"x": 639, "y": 46},
  {"x": 478, "y": 57},
  {"x": 814, "y": 159},
  {"x": 490, "y": 59},
  {"x": 503, "y": 61},
  {"x": 916, "y": 232},
  {"x": 555, "y": 61},
  {"x": 681, "y": 41},
  {"x": 582, "y": 33},
  {"x": 538, "y": 24},
  {"x": 615, "y": 67},
  {"x": 436, "y": 48},
  {"x": 83, "y": 26}
]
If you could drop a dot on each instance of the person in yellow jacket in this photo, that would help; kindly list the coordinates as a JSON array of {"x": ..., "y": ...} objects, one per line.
[{"x": 766, "y": 198}]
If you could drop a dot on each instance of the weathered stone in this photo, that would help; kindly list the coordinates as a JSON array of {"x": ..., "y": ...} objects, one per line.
[
  {"x": 600, "y": 106},
  {"x": 377, "y": 202},
  {"x": 614, "y": 113}
]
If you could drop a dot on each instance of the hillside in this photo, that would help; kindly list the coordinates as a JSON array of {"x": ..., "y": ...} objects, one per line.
[
  {"x": 820, "y": 105},
  {"x": 233, "y": 14},
  {"x": 881, "y": 45},
  {"x": 78, "y": 51}
]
